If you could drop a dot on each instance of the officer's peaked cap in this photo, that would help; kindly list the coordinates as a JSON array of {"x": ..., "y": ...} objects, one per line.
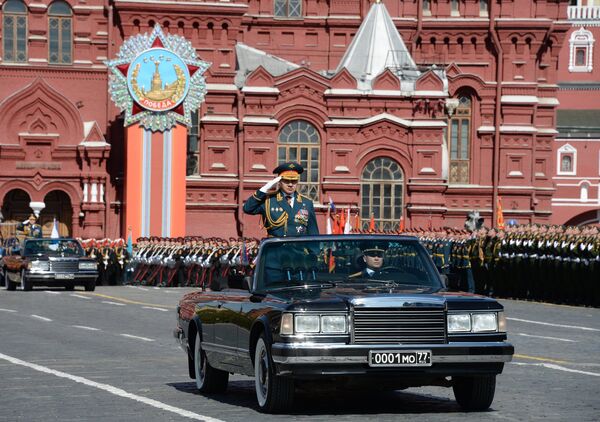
[
  {"x": 373, "y": 245},
  {"x": 290, "y": 170}
]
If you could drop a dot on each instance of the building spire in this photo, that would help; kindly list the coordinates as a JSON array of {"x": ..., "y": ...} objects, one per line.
[{"x": 377, "y": 46}]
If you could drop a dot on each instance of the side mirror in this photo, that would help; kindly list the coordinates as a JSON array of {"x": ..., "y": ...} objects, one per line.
[{"x": 247, "y": 283}]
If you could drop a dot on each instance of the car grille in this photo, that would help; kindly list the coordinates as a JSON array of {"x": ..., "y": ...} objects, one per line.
[
  {"x": 64, "y": 266},
  {"x": 394, "y": 325}
]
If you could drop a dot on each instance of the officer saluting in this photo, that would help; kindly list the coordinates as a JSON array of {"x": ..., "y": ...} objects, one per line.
[{"x": 284, "y": 212}]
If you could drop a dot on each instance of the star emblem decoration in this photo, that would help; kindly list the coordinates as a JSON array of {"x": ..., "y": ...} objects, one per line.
[{"x": 124, "y": 98}]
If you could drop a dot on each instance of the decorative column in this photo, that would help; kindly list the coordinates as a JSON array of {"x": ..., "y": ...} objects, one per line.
[
  {"x": 93, "y": 155},
  {"x": 157, "y": 80}
]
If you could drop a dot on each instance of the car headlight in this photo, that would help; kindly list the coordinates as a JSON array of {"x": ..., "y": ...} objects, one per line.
[
  {"x": 484, "y": 322},
  {"x": 87, "y": 265},
  {"x": 480, "y": 322},
  {"x": 333, "y": 324},
  {"x": 313, "y": 324},
  {"x": 459, "y": 323},
  {"x": 307, "y": 323},
  {"x": 40, "y": 265}
]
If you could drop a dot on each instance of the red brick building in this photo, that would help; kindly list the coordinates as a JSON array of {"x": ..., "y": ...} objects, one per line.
[
  {"x": 421, "y": 109},
  {"x": 577, "y": 146}
]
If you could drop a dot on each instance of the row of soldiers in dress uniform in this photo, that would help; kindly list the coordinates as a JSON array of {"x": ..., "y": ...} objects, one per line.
[
  {"x": 112, "y": 257},
  {"x": 192, "y": 261},
  {"x": 448, "y": 248},
  {"x": 559, "y": 264}
]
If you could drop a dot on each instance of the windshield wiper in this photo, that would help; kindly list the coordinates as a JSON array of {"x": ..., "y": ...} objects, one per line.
[{"x": 321, "y": 284}]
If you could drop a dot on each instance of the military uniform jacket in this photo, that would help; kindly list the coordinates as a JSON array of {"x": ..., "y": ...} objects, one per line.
[{"x": 279, "y": 219}]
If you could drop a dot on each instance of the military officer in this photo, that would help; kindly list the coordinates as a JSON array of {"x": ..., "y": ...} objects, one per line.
[
  {"x": 284, "y": 212},
  {"x": 30, "y": 227},
  {"x": 373, "y": 257}
]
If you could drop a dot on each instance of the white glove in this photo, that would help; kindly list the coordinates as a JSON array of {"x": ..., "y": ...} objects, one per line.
[
  {"x": 25, "y": 222},
  {"x": 270, "y": 184}
]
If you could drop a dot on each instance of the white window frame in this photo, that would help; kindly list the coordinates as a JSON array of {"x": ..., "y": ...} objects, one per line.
[
  {"x": 566, "y": 149},
  {"x": 581, "y": 39}
]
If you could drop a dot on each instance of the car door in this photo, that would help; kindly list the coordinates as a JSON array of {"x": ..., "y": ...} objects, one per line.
[{"x": 227, "y": 326}]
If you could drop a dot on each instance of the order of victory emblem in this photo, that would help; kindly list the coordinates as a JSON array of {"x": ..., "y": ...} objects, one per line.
[{"x": 157, "y": 80}]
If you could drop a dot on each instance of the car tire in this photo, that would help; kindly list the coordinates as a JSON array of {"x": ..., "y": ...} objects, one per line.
[
  {"x": 90, "y": 286},
  {"x": 474, "y": 393},
  {"x": 25, "y": 282},
  {"x": 274, "y": 393},
  {"x": 208, "y": 379}
]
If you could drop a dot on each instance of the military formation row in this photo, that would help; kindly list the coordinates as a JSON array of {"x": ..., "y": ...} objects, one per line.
[
  {"x": 549, "y": 263},
  {"x": 190, "y": 261}
]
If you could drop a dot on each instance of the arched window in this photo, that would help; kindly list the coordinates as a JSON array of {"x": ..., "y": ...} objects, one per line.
[
  {"x": 584, "y": 192},
  {"x": 459, "y": 128},
  {"x": 454, "y": 8},
  {"x": 381, "y": 191},
  {"x": 484, "y": 7},
  {"x": 427, "y": 7},
  {"x": 193, "y": 150},
  {"x": 299, "y": 141},
  {"x": 60, "y": 33},
  {"x": 566, "y": 161},
  {"x": 14, "y": 31},
  {"x": 581, "y": 51},
  {"x": 287, "y": 8}
]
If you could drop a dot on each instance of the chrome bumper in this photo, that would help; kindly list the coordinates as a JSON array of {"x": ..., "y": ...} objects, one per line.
[{"x": 336, "y": 354}]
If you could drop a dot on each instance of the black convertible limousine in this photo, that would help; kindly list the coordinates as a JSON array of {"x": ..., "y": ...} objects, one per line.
[{"x": 354, "y": 309}]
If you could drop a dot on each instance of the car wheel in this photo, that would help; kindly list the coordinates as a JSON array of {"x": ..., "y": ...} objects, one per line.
[
  {"x": 90, "y": 286},
  {"x": 273, "y": 392},
  {"x": 474, "y": 393},
  {"x": 25, "y": 283},
  {"x": 208, "y": 379}
]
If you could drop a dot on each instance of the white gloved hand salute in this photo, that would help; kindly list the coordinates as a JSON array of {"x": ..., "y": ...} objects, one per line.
[{"x": 270, "y": 185}]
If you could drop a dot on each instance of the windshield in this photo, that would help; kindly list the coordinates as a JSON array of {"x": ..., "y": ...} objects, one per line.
[
  {"x": 53, "y": 247},
  {"x": 364, "y": 261}
]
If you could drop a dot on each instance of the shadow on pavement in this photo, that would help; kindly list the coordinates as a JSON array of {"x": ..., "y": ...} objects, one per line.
[{"x": 333, "y": 401}]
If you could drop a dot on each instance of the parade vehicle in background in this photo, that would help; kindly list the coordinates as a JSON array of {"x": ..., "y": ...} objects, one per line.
[
  {"x": 312, "y": 312},
  {"x": 48, "y": 262}
]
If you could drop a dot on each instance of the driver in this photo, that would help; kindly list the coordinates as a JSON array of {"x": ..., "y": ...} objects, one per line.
[{"x": 373, "y": 257}]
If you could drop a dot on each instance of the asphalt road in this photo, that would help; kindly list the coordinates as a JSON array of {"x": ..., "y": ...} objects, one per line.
[{"x": 110, "y": 356}]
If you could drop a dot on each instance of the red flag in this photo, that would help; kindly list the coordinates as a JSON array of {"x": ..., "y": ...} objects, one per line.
[
  {"x": 342, "y": 221},
  {"x": 500, "y": 215},
  {"x": 331, "y": 263},
  {"x": 401, "y": 224},
  {"x": 372, "y": 223}
]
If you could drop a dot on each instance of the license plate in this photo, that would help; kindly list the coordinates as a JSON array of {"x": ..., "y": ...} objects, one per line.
[
  {"x": 64, "y": 276},
  {"x": 396, "y": 358}
]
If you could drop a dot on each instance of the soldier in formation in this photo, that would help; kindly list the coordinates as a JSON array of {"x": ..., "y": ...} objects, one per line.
[
  {"x": 193, "y": 261},
  {"x": 112, "y": 258},
  {"x": 559, "y": 264}
]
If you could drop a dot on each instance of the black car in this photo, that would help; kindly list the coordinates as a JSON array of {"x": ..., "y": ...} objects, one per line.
[
  {"x": 353, "y": 309},
  {"x": 48, "y": 262}
]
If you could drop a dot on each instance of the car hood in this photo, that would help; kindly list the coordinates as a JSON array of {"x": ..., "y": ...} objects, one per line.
[{"x": 369, "y": 296}]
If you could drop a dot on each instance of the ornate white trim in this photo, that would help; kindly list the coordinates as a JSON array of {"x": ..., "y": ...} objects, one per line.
[
  {"x": 581, "y": 38},
  {"x": 566, "y": 150}
]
